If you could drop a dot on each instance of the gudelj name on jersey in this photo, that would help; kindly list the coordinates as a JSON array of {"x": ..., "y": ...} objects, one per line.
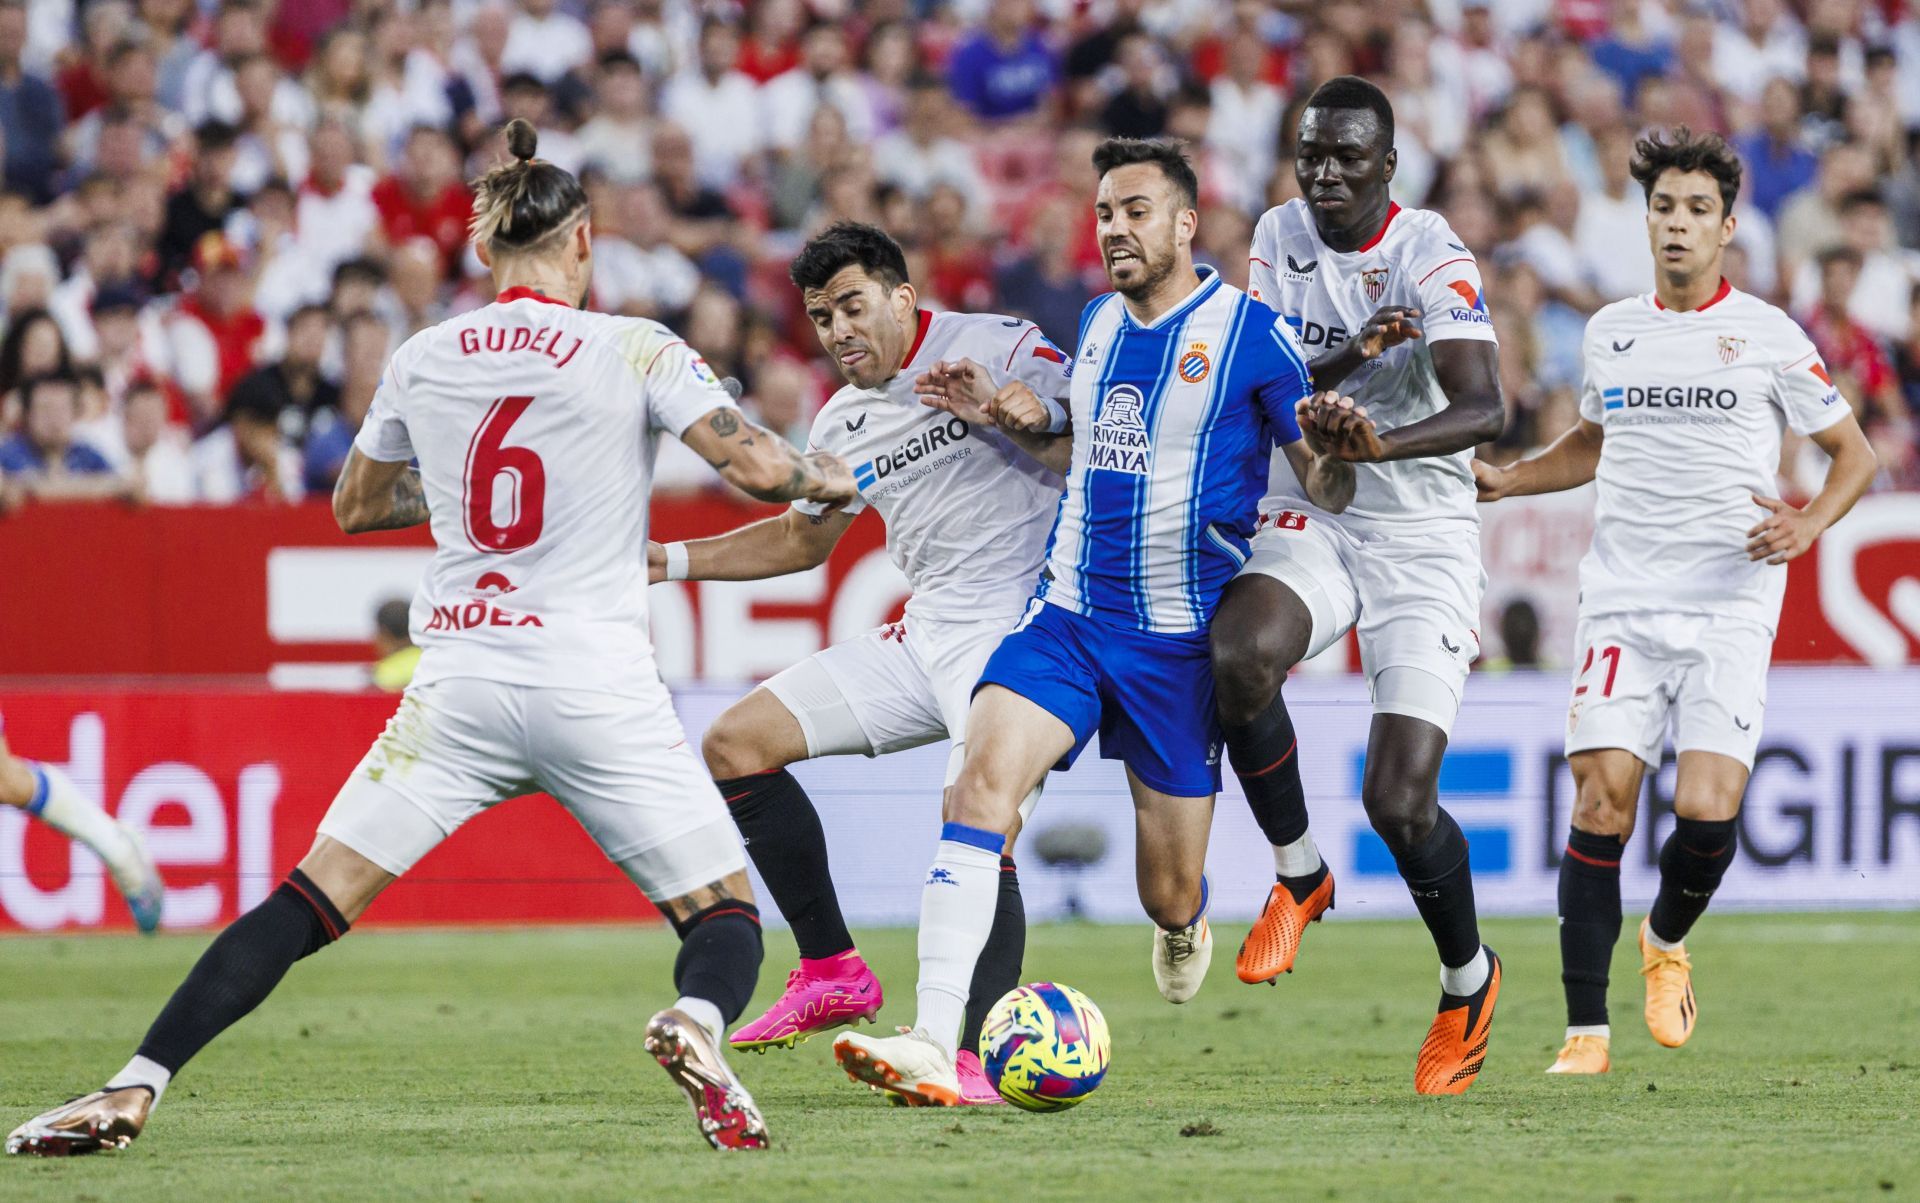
[
  {"x": 1119, "y": 442},
  {"x": 1668, "y": 396},
  {"x": 915, "y": 449}
]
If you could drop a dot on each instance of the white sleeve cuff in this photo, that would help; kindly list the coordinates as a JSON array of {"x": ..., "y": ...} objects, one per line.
[{"x": 1056, "y": 415}]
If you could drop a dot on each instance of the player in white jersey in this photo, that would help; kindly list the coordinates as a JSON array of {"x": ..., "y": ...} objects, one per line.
[
  {"x": 1389, "y": 300},
  {"x": 45, "y": 792},
  {"x": 1686, "y": 392},
  {"x": 907, "y": 683},
  {"x": 534, "y": 426}
]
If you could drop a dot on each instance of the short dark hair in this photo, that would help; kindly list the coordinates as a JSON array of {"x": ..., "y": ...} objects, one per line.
[
  {"x": 1169, "y": 155},
  {"x": 1838, "y": 254},
  {"x": 847, "y": 244},
  {"x": 33, "y": 384},
  {"x": 1688, "y": 151},
  {"x": 215, "y": 135},
  {"x": 1352, "y": 92},
  {"x": 1860, "y": 198}
]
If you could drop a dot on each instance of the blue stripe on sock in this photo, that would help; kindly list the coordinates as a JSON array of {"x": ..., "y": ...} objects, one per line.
[
  {"x": 38, "y": 802},
  {"x": 1203, "y": 902},
  {"x": 976, "y": 837}
]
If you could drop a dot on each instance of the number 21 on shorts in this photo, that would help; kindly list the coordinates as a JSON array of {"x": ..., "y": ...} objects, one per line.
[
  {"x": 489, "y": 460},
  {"x": 1609, "y": 657}
]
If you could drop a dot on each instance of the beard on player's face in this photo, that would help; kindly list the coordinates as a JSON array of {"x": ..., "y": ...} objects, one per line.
[{"x": 1143, "y": 267}]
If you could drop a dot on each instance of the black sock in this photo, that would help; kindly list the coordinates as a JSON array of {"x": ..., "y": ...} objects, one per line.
[
  {"x": 1441, "y": 882},
  {"x": 1264, "y": 756},
  {"x": 720, "y": 954},
  {"x": 783, "y": 835},
  {"x": 1692, "y": 862},
  {"x": 241, "y": 967},
  {"x": 998, "y": 970},
  {"x": 1589, "y": 923}
]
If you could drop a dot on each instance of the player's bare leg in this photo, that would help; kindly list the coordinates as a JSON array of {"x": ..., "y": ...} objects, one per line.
[
  {"x": 719, "y": 961},
  {"x": 1706, "y": 808},
  {"x": 1011, "y": 744},
  {"x": 1170, "y": 860},
  {"x": 1401, "y": 794},
  {"x": 312, "y": 908},
  {"x": 47, "y": 794},
  {"x": 748, "y": 749},
  {"x": 1261, "y": 630},
  {"x": 1606, "y": 784}
]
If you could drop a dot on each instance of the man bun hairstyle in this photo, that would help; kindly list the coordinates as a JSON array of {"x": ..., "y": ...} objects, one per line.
[
  {"x": 1687, "y": 151},
  {"x": 521, "y": 205},
  {"x": 847, "y": 244},
  {"x": 1352, "y": 92},
  {"x": 1168, "y": 154}
]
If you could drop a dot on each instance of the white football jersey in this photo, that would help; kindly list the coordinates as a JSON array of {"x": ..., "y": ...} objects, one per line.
[
  {"x": 1327, "y": 296},
  {"x": 967, "y": 511},
  {"x": 535, "y": 426},
  {"x": 1692, "y": 404}
]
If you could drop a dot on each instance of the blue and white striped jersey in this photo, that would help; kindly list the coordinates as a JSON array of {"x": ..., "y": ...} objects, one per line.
[{"x": 1173, "y": 424}]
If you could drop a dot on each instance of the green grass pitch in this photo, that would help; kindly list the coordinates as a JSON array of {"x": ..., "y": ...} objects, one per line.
[{"x": 490, "y": 1065}]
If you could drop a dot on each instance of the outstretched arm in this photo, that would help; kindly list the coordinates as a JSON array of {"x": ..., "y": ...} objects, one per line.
[
  {"x": 374, "y": 494},
  {"x": 1567, "y": 463},
  {"x": 1469, "y": 374},
  {"x": 792, "y": 542},
  {"x": 763, "y": 465}
]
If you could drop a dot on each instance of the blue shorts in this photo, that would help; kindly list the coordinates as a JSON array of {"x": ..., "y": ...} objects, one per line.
[{"x": 1149, "y": 695}]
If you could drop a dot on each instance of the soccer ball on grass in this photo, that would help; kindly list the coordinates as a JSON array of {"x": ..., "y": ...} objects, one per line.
[{"x": 1045, "y": 1047}]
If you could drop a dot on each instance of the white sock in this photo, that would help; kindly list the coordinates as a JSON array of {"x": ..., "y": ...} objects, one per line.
[
  {"x": 1298, "y": 858},
  {"x": 1592, "y": 1029},
  {"x": 956, "y": 914},
  {"x": 1662, "y": 945},
  {"x": 703, "y": 1013},
  {"x": 142, "y": 1072},
  {"x": 59, "y": 804},
  {"x": 1468, "y": 977}
]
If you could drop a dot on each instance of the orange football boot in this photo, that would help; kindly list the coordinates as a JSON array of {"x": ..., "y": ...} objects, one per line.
[
  {"x": 1456, "y": 1044},
  {"x": 1269, "y": 949},
  {"x": 1582, "y": 1055},
  {"x": 1670, "y": 1006}
]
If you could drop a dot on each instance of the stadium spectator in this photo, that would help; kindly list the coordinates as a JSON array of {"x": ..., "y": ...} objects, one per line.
[
  {"x": 1859, "y": 364},
  {"x": 1244, "y": 127},
  {"x": 203, "y": 204},
  {"x": 636, "y": 270},
  {"x": 1610, "y": 233},
  {"x": 395, "y": 656},
  {"x": 158, "y": 458},
  {"x": 293, "y": 384},
  {"x": 1765, "y": 45},
  {"x": 215, "y": 333},
  {"x": 614, "y": 142},
  {"x": 1887, "y": 273},
  {"x": 246, "y": 457},
  {"x": 723, "y": 100},
  {"x": 1046, "y": 286},
  {"x": 1006, "y": 70},
  {"x": 43, "y": 461},
  {"x": 425, "y": 197},
  {"x": 924, "y": 151},
  {"x": 1630, "y": 51},
  {"x": 822, "y": 77},
  {"x": 545, "y": 42},
  {"x": 1778, "y": 163},
  {"x": 337, "y": 419},
  {"x": 33, "y": 346},
  {"x": 31, "y": 120}
]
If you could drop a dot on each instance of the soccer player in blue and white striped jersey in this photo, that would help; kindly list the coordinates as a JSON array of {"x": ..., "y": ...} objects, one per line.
[{"x": 1182, "y": 386}]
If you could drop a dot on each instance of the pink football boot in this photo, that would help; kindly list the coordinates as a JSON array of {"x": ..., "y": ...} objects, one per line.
[
  {"x": 820, "y": 996},
  {"x": 975, "y": 1090}
]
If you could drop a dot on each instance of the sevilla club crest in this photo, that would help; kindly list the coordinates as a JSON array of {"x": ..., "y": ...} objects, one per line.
[
  {"x": 1731, "y": 347},
  {"x": 1373, "y": 282}
]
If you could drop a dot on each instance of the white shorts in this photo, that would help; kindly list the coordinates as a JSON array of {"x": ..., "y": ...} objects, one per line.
[
  {"x": 1414, "y": 598},
  {"x": 1708, "y": 673},
  {"x": 899, "y": 686},
  {"x": 619, "y": 765}
]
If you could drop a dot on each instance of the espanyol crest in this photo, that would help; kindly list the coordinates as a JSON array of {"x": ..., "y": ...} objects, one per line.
[{"x": 1373, "y": 282}]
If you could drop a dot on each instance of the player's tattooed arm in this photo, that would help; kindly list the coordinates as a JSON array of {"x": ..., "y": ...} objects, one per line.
[
  {"x": 793, "y": 542},
  {"x": 1567, "y": 463},
  {"x": 1389, "y": 326},
  {"x": 374, "y": 494},
  {"x": 765, "y": 466}
]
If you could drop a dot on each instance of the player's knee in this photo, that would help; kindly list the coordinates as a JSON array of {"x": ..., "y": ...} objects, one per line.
[
  {"x": 1601, "y": 811},
  {"x": 731, "y": 750},
  {"x": 1402, "y": 813},
  {"x": 982, "y": 798},
  {"x": 1170, "y": 900},
  {"x": 1250, "y": 665}
]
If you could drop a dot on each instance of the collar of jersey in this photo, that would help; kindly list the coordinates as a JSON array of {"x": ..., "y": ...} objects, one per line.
[
  {"x": 1719, "y": 295},
  {"x": 1209, "y": 280},
  {"x": 919, "y": 336},
  {"x": 520, "y": 292}
]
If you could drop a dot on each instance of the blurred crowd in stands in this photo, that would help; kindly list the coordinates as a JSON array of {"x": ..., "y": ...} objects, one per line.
[{"x": 218, "y": 218}]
